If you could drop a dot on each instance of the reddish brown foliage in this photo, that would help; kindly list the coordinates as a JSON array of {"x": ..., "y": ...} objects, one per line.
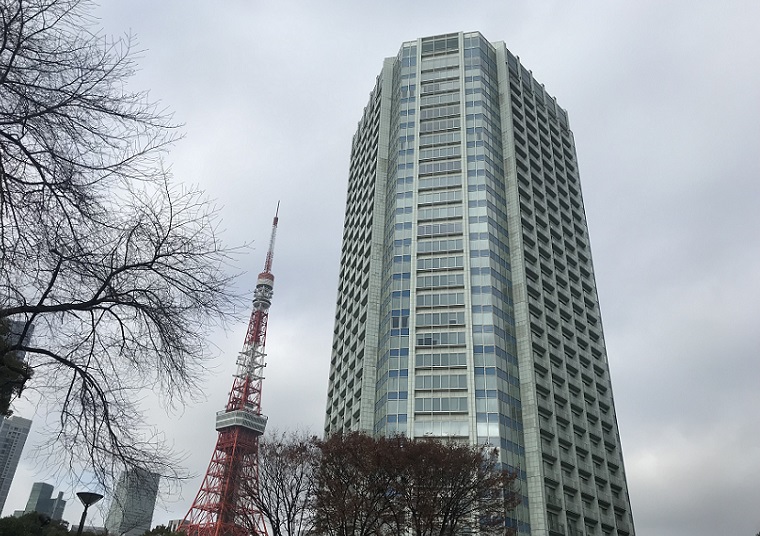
[{"x": 369, "y": 486}]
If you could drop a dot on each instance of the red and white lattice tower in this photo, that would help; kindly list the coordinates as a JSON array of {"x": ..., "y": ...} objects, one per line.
[{"x": 225, "y": 503}]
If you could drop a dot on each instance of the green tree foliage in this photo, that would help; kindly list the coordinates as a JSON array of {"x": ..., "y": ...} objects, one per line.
[
  {"x": 34, "y": 525},
  {"x": 120, "y": 274}
]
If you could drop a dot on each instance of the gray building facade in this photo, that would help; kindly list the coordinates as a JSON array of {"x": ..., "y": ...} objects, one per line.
[
  {"x": 131, "y": 511},
  {"x": 41, "y": 501},
  {"x": 13, "y": 433},
  {"x": 467, "y": 305}
]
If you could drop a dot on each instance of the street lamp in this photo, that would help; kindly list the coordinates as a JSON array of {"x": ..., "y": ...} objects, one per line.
[{"x": 88, "y": 499}]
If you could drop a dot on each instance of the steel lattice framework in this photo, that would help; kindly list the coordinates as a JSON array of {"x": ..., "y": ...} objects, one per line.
[{"x": 225, "y": 503}]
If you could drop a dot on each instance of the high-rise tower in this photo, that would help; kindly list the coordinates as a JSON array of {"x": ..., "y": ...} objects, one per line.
[
  {"x": 13, "y": 434},
  {"x": 467, "y": 306},
  {"x": 41, "y": 501},
  {"x": 224, "y": 505},
  {"x": 134, "y": 499}
]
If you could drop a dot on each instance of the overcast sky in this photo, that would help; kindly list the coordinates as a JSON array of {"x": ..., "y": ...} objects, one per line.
[{"x": 664, "y": 102}]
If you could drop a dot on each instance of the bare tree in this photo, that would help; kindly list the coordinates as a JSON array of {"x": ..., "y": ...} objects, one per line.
[
  {"x": 369, "y": 486},
  {"x": 120, "y": 274},
  {"x": 353, "y": 487},
  {"x": 285, "y": 493},
  {"x": 451, "y": 488}
]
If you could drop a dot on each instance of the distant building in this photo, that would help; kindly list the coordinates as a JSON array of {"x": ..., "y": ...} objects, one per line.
[
  {"x": 174, "y": 524},
  {"x": 131, "y": 511},
  {"x": 41, "y": 501},
  {"x": 13, "y": 434}
]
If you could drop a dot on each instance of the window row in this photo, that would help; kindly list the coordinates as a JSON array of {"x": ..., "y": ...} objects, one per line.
[
  {"x": 440, "y": 300},
  {"x": 444, "y": 166},
  {"x": 445, "y": 381},
  {"x": 441, "y": 181},
  {"x": 439, "y": 87},
  {"x": 440, "y": 62},
  {"x": 443, "y": 338},
  {"x": 436, "y": 263},
  {"x": 439, "y": 111},
  {"x": 439, "y": 75},
  {"x": 444, "y": 280},
  {"x": 439, "y": 124},
  {"x": 439, "y": 152},
  {"x": 443, "y": 359},
  {"x": 440, "y": 246},
  {"x": 441, "y": 428},
  {"x": 445, "y": 196},
  {"x": 436, "y": 229},
  {"x": 440, "y": 213},
  {"x": 440, "y": 139},
  {"x": 440, "y": 319},
  {"x": 445, "y": 98},
  {"x": 448, "y": 404}
]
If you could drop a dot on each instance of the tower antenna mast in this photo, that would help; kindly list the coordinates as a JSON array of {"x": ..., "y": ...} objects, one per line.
[{"x": 225, "y": 504}]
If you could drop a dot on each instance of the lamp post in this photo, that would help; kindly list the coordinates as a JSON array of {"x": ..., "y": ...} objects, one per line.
[{"x": 88, "y": 499}]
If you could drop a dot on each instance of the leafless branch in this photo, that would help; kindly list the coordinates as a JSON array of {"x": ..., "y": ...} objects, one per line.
[{"x": 120, "y": 273}]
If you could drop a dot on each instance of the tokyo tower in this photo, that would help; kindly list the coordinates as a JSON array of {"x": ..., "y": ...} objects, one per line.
[{"x": 225, "y": 503}]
